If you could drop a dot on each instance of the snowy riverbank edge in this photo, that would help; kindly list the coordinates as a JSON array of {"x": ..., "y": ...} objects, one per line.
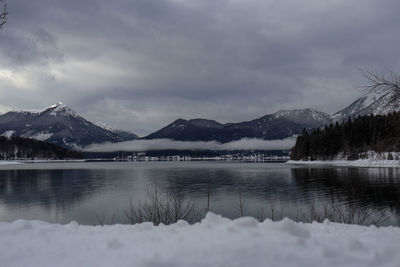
[
  {"x": 216, "y": 241},
  {"x": 7, "y": 162},
  {"x": 351, "y": 163}
]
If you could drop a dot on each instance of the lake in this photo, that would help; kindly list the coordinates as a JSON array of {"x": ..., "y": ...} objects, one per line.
[{"x": 100, "y": 192}]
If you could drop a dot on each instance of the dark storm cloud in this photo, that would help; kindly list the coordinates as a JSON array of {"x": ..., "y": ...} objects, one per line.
[
  {"x": 36, "y": 48},
  {"x": 140, "y": 64}
]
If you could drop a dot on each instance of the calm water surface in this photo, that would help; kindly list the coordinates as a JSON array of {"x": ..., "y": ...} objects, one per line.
[{"x": 83, "y": 192}]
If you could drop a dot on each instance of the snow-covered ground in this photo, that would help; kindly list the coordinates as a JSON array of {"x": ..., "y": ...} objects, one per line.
[
  {"x": 23, "y": 161},
  {"x": 52, "y": 160},
  {"x": 215, "y": 241},
  {"x": 351, "y": 163},
  {"x": 371, "y": 159},
  {"x": 8, "y": 134},
  {"x": 7, "y": 162}
]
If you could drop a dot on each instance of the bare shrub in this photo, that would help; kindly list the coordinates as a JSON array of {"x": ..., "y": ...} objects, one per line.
[
  {"x": 241, "y": 204},
  {"x": 346, "y": 214},
  {"x": 208, "y": 194},
  {"x": 169, "y": 207},
  {"x": 333, "y": 211},
  {"x": 102, "y": 218},
  {"x": 165, "y": 208}
]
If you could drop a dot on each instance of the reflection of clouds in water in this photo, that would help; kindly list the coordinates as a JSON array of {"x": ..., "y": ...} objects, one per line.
[{"x": 165, "y": 144}]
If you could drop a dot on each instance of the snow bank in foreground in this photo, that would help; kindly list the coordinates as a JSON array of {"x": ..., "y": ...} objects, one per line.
[
  {"x": 215, "y": 241},
  {"x": 351, "y": 163}
]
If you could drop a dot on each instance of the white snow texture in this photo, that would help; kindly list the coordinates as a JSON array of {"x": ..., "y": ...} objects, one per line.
[
  {"x": 373, "y": 160},
  {"x": 216, "y": 241}
]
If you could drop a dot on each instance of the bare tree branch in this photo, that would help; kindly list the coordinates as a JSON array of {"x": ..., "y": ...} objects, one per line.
[
  {"x": 3, "y": 14},
  {"x": 382, "y": 83}
]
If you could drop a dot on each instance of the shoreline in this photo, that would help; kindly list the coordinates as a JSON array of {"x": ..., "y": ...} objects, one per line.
[
  {"x": 369, "y": 163},
  {"x": 8, "y": 162},
  {"x": 19, "y": 162}
]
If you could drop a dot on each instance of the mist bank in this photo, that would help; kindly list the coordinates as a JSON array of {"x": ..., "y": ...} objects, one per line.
[{"x": 168, "y": 144}]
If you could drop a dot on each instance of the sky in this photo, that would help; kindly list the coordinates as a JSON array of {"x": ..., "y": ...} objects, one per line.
[{"x": 141, "y": 64}]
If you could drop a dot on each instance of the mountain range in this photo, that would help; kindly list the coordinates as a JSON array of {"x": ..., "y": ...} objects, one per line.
[
  {"x": 279, "y": 125},
  {"x": 61, "y": 125}
]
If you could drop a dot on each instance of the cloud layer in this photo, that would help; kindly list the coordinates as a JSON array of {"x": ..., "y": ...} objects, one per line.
[
  {"x": 140, "y": 64},
  {"x": 167, "y": 144}
]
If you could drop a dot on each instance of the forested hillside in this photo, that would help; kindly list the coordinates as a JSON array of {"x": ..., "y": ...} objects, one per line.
[
  {"x": 351, "y": 139},
  {"x": 24, "y": 148}
]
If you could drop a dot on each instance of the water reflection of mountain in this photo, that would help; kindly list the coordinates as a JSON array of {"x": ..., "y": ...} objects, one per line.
[
  {"x": 362, "y": 186},
  {"x": 75, "y": 193},
  {"x": 48, "y": 188}
]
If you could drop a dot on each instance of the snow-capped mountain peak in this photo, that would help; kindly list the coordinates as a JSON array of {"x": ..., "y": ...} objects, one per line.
[
  {"x": 60, "y": 109},
  {"x": 372, "y": 103},
  {"x": 308, "y": 116},
  {"x": 59, "y": 104},
  {"x": 59, "y": 124}
]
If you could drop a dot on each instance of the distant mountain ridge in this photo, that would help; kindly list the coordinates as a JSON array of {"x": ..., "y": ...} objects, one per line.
[
  {"x": 122, "y": 133},
  {"x": 60, "y": 125},
  {"x": 280, "y": 125}
]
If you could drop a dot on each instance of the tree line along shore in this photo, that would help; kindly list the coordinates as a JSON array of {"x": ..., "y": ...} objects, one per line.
[{"x": 351, "y": 139}]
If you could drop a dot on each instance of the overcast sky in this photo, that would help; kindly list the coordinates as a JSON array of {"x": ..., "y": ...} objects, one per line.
[{"x": 140, "y": 64}]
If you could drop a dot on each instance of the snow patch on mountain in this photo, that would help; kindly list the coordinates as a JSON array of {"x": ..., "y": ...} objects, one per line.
[
  {"x": 372, "y": 103},
  {"x": 107, "y": 126},
  {"x": 123, "y": 134},
  {"x": 382, "y": 106},
  {"x": 180, "y": 124},
  {"x": 304, "y": 116},
  {"x": 8, "y": 134},
  {"x": 42, "y": 136}
]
